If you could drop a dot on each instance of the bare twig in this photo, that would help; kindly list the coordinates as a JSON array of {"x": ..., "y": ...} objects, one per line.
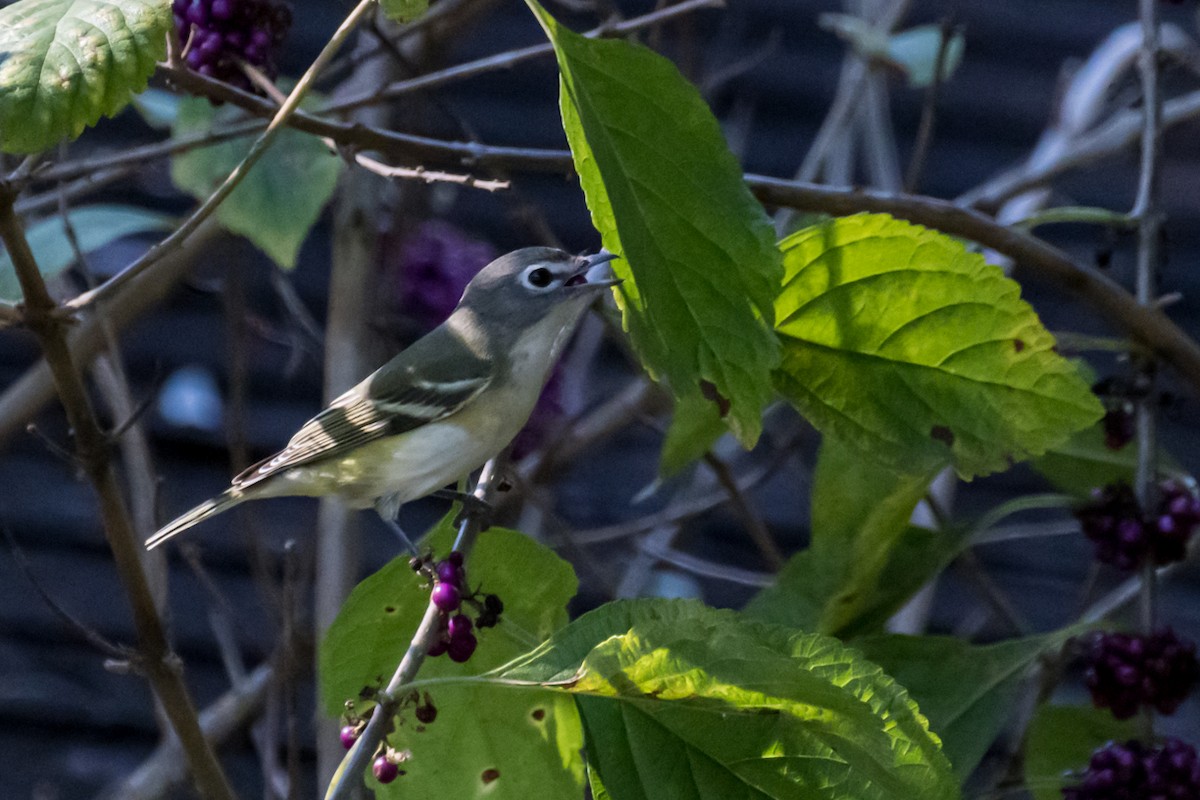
[
  {"x": 753, "y": 521},
  {"x": 1035, "y": 258},
  {"x": 164, "y": 769},
  {"x": 89, "y": 635},
  {"x": 159, "y": 664},
  {"x": 278, "y": 119},
  {"x": 1149, "y": 216},
  {"x": 389, "y": 699}
]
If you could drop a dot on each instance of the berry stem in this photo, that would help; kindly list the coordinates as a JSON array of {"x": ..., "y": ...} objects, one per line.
[{"x": 378, "y": 726}]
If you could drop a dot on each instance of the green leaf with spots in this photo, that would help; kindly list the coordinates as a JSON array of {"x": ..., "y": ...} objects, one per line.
[
  {"x": 66, "y": 63},
  {"x": 94, "y": 227},
  {"x": 697, "y": 250},
  {"x": 898, "y": 341},
  {"x": 486, "y": 740},
  {"x": 680, "y": 700},
  {"x": 278, "y": 202}
]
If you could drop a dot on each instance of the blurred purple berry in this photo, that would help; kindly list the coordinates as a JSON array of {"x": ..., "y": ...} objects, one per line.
[
  {"x": 385, "y": 771},
  {"x": 446, "y": 597},
  {"x": 426, "y": 713},
  {"x": 1133, "y": 771},
  {"x": 545, "y": 417},
  {"x": 438, "y": 647},
  {"x": 460, "y": 625},
  {"x": 1124, "y": 537},
  {"x": 462, "y": 647},
  {"x": 349, "y": 735},
  {"x": 1126, "y": 672},
  {"x": 223, "y": 32},
  {"x": 436, "y": 261},
  {"x": 448, "y": 573},
  {"x": 455, "y": 557}
]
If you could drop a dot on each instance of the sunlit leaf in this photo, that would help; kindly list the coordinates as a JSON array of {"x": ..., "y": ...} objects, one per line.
[{"x": 66, "y": 63}]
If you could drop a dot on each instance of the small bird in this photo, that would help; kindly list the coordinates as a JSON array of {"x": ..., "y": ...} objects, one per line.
[{"x": 439, "y": 409}]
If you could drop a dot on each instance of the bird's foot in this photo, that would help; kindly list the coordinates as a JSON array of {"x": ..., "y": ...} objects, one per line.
[{"x": 472, "y": 507}]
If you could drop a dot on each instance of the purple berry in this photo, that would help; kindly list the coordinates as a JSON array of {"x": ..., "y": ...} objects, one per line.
[
  {"x": 446, "y": 597},
  {"x": 455, "y": 557},
  {"x": 460, "y": 625},
  {"x": 1126, "y": 672},
  {"x": 448, "y": 573},
  {"x": 433, "y": 265},
  {"x": 426, "y": 713},
  {"x": 1118, "y": 426},
  {"x": 229, "y": 31},
  {"x": 349, "y": 735},
  {"x": 462, "y": 647},
  {"x": 1133, "y": 771},
  {"x": 438, "y": 646},
  {"x": 385, "y": 771}
]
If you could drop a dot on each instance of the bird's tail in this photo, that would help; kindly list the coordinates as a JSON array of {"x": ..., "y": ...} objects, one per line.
[{"x": 222, "y": 502}]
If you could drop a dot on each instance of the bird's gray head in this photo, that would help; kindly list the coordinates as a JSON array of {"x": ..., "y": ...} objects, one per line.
[{"x": 526, "y": 286}]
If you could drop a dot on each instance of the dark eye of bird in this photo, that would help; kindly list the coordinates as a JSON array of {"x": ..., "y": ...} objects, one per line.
[{"x": 540, "y": 277}]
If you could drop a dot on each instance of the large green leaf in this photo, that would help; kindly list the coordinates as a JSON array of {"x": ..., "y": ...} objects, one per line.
[
  {"x": 968, "y": 692},
  {"x": 683, "y": 701},
  {"x": 94, "y": 227},
  {"x": 900, "y": 342},
  {"x": 698, "y": 256},
  {"x": 278, "y": 202},
  {"x": 66, "y": 63},
  {"x": 860, "y": 514},
  {"x": 486, "y": 740},
  {"x": 1062, "y": 739}
]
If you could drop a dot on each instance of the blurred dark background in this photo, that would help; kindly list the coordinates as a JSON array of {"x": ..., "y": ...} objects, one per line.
[{"x": 69, "y": 727}]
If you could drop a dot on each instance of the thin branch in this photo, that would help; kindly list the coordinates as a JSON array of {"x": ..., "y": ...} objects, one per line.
[
  {"x": 380, "y": 723},
  {"x": 278, "y": 119},
  {"x": 89, "y": 635},
  {"x": 1035, "y": 258},
  {"x": 1113, "y": 137},
  {"x": 753, "y": 521},
  {"x": 1147, "y": 212},
  {"x": 164, "y": 769},
  {"x": 704, "y": 567},
  {"x": 159, "y": 664},
  {"x": 509, "y": 59}
]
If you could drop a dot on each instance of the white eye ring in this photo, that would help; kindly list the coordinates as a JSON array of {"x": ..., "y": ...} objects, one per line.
[{"x": 539, "y": 278}]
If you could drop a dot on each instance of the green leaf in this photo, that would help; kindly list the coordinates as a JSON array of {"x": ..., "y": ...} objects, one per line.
[
  {"x": 860, "y": 520},
  {"x": 404, "y": 10},
  {"x": 158, "y": 107},
  {"x": 94, "y": 226},
  {"x": 901, "y": 343},
  {"x": 531, "y": 739},
  {"x": 278, "y": 202},
  {"x": 695, "y": 427},
  {"x": 66, "y": 63},
  {"x": 698, "y": 257},
  {"x": 684, "y": 701},
  {"x": 1062, "y": 739},
  {"x": 968, "y": 692},
  {"x": 1084, "y": 462}
]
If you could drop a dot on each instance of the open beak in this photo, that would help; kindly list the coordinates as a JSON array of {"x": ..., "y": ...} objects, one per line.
[{"x": 594, "y": 271}]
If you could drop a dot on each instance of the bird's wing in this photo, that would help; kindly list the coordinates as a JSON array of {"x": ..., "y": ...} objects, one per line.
[{"x": 411, "y": 391}]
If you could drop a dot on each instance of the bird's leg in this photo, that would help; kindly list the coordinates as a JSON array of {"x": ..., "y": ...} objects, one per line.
[
  {"x": 388, "y": 507},
  {"x": 472, "y": 507}
]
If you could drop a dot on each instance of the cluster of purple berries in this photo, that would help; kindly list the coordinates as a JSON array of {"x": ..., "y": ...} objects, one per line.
[
  {"x": 435, "y": 263},
  {"x": 1125, "y": 537},
  {"x": 456, "y": 636},
  {"x": 217, "y": 34},
  {"x": 1133, "y": 771},
  {"x": 386, "y": 765},
  {"x": 1126, "y": 672}
]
